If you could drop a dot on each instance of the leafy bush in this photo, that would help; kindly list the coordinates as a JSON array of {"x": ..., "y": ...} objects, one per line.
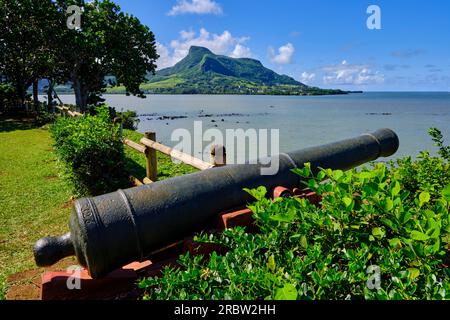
[
  {"x": 427, "y": 173},
  {"x": 438, "y": 139},
  {"x": 8, "y": 97},
  {"x": 128, "y": 118},
  {"x": 378, "y": 234},
  {"x": 92, "y": 149},
  {"x": 44, "y": 117}
]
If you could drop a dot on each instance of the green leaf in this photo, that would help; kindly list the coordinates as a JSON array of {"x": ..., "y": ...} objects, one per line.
[
  {"x": 396, "y": 189},
  {"x": 304, "y": 172},
  {"x": 288, "y": 292},
  {"x": 321, "y": 175},
  {"x": 284, "y": 217},
  {"x": 258, "y": 194},
  {"x": 413, "y": 273},
  {"x": 348, "y": 202},
  {"x": 419, "y": 236},
  {"x": 271, "y": 263},
  {"x": 406, "y": 217},
  {"x": 378, "y": 233},
  {"x": 446, "y": 193},
  {"x": 389, "y": 204},
  {"x": 328, "y": 187},
  {"x": 389, "y": 223},
  {"x": 437, "y": 246},
  {"x": 424, "y": 198},
  {"x": 304, "y": 242},
  {"x": 395, "y": 243},
  {"x": 404, "y": 195},
  {"x": 365, "y": 175},
  {"x": 337, "y": 174}
]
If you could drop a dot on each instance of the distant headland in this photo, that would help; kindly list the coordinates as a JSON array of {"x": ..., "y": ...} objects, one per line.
[{"x": 203, "y": 72}]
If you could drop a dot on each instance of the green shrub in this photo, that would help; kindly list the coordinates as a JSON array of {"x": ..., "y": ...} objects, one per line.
[
  {"x": 92, "y": 149},
  {"x": 438, "y": 139},
  {"x": 9, "y": 100},
  {"x": 44, "y": 117},
  {"x": 372, "y": 222},
  {"x": 129, "y": 119},
  {"x": 427, "y": 173}
]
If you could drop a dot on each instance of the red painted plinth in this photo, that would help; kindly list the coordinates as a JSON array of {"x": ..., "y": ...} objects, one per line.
[
  {"x": 78, "y": 285},
  {"x": 241, "y": 218}
]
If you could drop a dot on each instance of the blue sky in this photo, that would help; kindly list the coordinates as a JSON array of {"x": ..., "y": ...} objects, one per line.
[{"x": 324, "y": 43}]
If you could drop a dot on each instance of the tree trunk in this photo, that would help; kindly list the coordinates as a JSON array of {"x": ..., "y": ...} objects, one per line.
[
  {"x": 21, "y": 93},
  {"x": 50, "y": 105},
  {"x": 81, "y": 93},
  {"x": 36, "y": 95}
]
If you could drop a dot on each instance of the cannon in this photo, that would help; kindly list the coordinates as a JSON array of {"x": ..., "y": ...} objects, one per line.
[{"x": 112, "y": 230}]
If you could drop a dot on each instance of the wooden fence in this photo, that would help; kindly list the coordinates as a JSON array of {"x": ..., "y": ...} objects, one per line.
[
  {"x": 66, "y": 111},
  {"x": 148, "y": 147}
]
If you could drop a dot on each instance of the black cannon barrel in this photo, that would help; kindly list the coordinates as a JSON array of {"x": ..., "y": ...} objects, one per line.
[{"x": 112, "y": 230}]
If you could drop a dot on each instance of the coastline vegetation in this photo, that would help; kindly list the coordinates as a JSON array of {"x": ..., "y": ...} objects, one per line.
[{"x": 237, "y": 87}]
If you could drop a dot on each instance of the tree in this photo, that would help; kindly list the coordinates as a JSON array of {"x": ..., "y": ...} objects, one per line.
[
  {"x": 26, "y": 52},
  {"x": 110, "y": 43},
  {"x": 35, "y": 43}
]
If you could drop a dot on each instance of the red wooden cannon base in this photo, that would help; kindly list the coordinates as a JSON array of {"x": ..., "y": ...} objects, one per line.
[{"x": 122, "y": 283}]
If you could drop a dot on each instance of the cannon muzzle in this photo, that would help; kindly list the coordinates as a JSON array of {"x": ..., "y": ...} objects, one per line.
[{"x": 112, "y": 230}]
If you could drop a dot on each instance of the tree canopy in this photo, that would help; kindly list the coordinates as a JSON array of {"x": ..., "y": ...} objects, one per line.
[{"x": 36, "y": 43}]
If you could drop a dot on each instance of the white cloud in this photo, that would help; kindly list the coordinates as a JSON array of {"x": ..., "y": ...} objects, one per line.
[
  {"x": 351, "y": 74},
  {"x": 196, "y": 7},
  {"x": 165, "y": 59},
  {"x": 307, "y": 77},
  {"x": 241, "y": 51},
  {"x": 284, "y": 56},
  {"x": 224, "y": 44}
]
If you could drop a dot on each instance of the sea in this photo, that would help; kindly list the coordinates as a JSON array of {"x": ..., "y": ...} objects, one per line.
[{"x": 301, "y": 121}]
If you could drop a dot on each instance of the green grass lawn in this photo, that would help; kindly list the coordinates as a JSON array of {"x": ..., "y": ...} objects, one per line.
[{"x": 35, "y": 199}]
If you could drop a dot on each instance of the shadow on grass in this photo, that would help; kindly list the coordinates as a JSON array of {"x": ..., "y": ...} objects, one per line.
[
  {"x": 8, "y": 124},
  {"x": 135, "y": 169}
]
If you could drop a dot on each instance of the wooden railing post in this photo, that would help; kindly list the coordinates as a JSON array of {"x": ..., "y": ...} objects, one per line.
[
  {"x": 150, "y": 154},
  {"x": 218, "y": 155}
]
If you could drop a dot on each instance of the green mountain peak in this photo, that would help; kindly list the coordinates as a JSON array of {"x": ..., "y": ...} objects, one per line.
[
  {"x": 202, "y": 71},
  {"x": 195, "y": 50}
]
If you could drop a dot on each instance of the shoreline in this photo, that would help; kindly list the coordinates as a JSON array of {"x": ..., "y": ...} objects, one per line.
[{"x": 218, "y": 94}]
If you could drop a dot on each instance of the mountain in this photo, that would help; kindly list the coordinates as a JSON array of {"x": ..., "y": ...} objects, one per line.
[
  {"x": 201, "y": 62},
  {"x": 202, "y": 71}
]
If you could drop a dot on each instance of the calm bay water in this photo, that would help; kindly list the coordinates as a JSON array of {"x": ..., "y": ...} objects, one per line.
[{"x": 302, "y": 121}]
